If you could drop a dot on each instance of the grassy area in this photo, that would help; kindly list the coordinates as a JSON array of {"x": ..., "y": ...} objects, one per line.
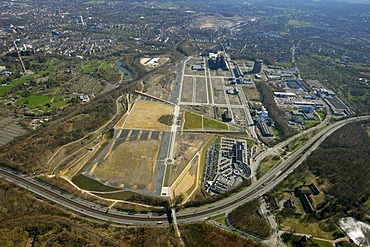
[
  {"x": 311, "y": 228},
  {"x": 292, "y": 240},
  {"x": 94, "y": 66},
  {"x": 276, "y": 132},
  {"x": 42, "y": 102},
  {"x": 310, "y": 124},
  {"x": 284, "y": 64},
  {"x": 299, "y": 24},
  {"x": 121, "y": 195},
  {"x": 322, "y": 243},
  {"x": 320, "y": 57},
  {"x": 267, "y": 165},
  {"x": 220, "y": 218},
  {"x": 105, "y": 65},
  {"x": 87, "y": 183},
  {"x": 20, "y": 81},
  {"x": 295, "y": 180},
  {"x": 4, "y": 90},
  {"x": 167, "y": 175},
  {"x": 214, "y": 124},
  {"x": 209, "y": 91},
  {"x": 250, "y": 143},
  {"x": 192, "y": 121},
  {"x": 321, "y": 114},
  {"x": 299, "y": 142}
]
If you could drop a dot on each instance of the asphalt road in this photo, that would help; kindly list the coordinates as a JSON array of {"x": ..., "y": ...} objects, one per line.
[{"x": 257, "y": 189}]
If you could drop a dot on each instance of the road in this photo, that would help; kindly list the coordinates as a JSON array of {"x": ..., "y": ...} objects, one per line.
[
  {"x": 275, "y": 149},
  {"x": 257, "y": 189}
]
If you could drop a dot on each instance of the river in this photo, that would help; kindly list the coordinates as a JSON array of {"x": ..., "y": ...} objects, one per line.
[{"x": 127, "y": 74}]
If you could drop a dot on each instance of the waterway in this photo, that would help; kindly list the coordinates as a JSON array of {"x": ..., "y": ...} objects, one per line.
[
  {"x": 127, "y": 74},
  {"x": 358, "y": 231}
]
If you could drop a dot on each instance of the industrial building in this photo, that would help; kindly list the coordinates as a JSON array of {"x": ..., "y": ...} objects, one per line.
[
  {"x": 218, "y": 63},
  {"x": 198, "y": 67},
  {"x": 265, "y": 130},
  {"x": 227, "y": 117},
  {"x": 284, "y": 94},
  {"x": 257, "y": 67},
  {"x": 238, "y": 72},
  {"x": 294, "y": 84},
  {"x": 246, "y": 81},
  {"x": 232, "y": 90},
  {"x": 303, "y": 195},
  {"x": 262, "y": 118},
  {"x": 232, "y": 168}
]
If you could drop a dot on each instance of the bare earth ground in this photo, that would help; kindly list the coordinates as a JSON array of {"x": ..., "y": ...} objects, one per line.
[
  {"x": 185, "y": 148},
  {"x": 191, "y": 62},
  {"x": 251, "y": 94},
  {"x": 145, "y": 116},
  {"x": 160, "y": 85},
  {"x": 187, "y": 181},
  {"x": 201, "y": 90},
  {"x": 132, "y": 163},
  {"x": 220, "y": 72},
  {"x": 120, "y": 123},
  {"x": 234, "y": 99},
  {"x": 160, "y": 62},
  {"x": 187, "y": 89},
  {"x": 218, "y": 91}
]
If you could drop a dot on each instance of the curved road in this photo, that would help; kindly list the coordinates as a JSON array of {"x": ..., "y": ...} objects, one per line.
[{"x": 257, "y": 189}]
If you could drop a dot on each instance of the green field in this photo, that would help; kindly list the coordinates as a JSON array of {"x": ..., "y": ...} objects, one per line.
[
  {"x": 92, "y": 66},
  {"x": 87, "y": 183},
  {"x": 220, "y": 218},
  {"x": 284, "y": 64},
  {"x": 311, "y": 228},
  {"x": 299, "y": 24},
  {"x": 320, "y": 57},
  {"x": 19, "y": 81},
  {"x": 194, "y": 121},
  {"x": 213, "y": 124},
  {"x": 4, "y": 90},
  {"x": 167, "y": 175},
  {"x": 121, "y": 195},
  {"x": 42, "y": 102}
]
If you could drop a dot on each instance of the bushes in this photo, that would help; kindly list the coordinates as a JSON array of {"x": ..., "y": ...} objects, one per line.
[
  {"x": 202, "y": 234},
  {"x": 166, "y": 119}
]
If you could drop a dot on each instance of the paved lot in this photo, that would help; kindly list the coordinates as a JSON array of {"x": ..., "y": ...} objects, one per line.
[{"x": 160, "y": 168}]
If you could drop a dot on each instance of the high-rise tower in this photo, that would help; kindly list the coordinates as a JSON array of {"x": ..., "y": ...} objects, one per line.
[{"x": 257, "y": 66}]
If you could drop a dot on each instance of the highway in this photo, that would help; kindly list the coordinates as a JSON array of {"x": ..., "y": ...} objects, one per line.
[
  {"x": 257, "y": 189},
  {"x": 275, "y": 149}
]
